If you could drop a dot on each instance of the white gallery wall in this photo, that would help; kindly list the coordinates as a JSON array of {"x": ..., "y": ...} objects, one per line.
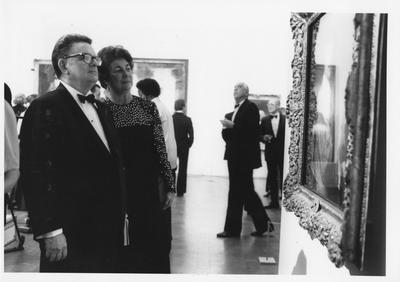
[{"x": 224, "y": 43}]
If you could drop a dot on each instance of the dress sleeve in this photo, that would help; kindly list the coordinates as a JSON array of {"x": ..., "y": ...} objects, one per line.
[{"x": 159, "y": 143}]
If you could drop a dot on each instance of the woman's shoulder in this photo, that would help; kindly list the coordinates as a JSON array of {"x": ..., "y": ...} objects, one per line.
[{"x": 146, "y": 104}]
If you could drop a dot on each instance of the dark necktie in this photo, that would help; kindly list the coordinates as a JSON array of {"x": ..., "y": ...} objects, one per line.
[
  {"x": 274, "y": 116},
  {"x": 237, "y": 105},
  {"x": 90, "y": 98}
]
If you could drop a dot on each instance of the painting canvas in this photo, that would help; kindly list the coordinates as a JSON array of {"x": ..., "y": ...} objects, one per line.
[
  {"x": 171, "y": 74},
  {"x": 261, "y": 100}
]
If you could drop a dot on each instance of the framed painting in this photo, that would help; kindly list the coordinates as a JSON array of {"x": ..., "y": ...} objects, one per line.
[
  {"x": 335, "y": 117},
  {"x": 262, "y": 100},
  {"x": 171, "y": 74},
  {"x": 45, "y": 77}
]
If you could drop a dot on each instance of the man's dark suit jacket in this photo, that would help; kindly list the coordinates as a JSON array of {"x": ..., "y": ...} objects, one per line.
[
  {"x": 183, "y": 130},
  {"x": 275, "y": 149},
  {"x": 242, "y": 141},
  {"x": 70, "y": 179}
]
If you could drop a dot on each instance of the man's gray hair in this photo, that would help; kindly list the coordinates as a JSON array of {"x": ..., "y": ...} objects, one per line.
[{"x": 245, "y": 86}]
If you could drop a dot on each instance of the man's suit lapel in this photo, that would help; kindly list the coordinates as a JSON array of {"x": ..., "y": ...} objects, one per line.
[
  {"x": 280, "y": 125},
  {"x": 82, "y": 125},
  {"x": 106, "y": 119},
  {"x": 240, "y": 111},
  {"x": 229, "y": 116},
  {"x": 268, "y": 126}
]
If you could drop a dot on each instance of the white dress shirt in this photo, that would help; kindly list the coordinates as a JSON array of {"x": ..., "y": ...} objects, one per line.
[
  {"x": 237, "y": 109},
  {"x": 275, "y": 123},
  {"x": 91, "y": 114},
  {"x": 167, "y": 124}
]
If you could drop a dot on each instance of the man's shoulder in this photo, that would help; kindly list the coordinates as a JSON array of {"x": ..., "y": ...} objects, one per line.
[
  {"x": 50, "y": 96},
  {"x": 50, "y": 100},
  {"x": 248, "y": 106},
  {"x": 178, "y": 115},
  {"x": 147, "y": 106}
]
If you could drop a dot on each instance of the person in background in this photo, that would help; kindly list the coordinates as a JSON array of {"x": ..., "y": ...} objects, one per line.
[
  {"x": 71, "y": 168},
  {"x": 11, "y": 144},
  {"x": 150, "y": 183},
  {"x": 242, "y": 151},
  {"x": 19, "y": 109},
  {"x": 95, "y": 90},
  {"x": 272, "y": 129},
  {"x": 19, "y": 105},
  {"x": 149, "y": 89},
  {"x": 184, "y": 139},
  {"x": 29, "y": 99}
]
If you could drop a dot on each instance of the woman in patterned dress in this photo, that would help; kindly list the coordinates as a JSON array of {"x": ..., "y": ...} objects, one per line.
[{"x": 150, "y": 184}]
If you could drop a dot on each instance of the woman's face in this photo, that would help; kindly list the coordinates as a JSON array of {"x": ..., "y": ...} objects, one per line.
[{"x": 120, "y": 76}]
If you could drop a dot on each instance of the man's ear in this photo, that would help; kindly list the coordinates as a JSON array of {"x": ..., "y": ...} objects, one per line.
[{"x": 62, "y": 64}]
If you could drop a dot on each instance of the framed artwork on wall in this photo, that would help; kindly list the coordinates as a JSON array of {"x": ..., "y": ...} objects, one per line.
[
  {"x": 262, "y": 100},
  {"x": 171, "y": 74},
  {"x": 45, "y": 77},
  {"x": 335, "y": 119}
]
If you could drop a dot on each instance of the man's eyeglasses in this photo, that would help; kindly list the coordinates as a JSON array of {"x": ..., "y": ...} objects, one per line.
[{"x": 87, "y": 58}]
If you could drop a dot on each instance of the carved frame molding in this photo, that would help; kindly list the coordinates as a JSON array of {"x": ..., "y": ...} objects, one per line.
[{"x": 342, "y": 231}]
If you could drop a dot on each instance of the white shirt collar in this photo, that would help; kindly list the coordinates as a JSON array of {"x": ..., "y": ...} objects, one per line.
[
  {"x": 72, "y": 91},
  {"x": 241, "y": 102},
  {"x": 276, "y": 114}
]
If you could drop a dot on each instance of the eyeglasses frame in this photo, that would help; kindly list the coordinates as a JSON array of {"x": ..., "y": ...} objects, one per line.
[{"x": 83, "y": 56}]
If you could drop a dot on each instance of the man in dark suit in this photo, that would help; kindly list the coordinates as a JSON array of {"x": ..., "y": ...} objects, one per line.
[
  {"x": 241, "y": 134},
  {"x": 184, "y": 140},
  {"x": 71, "y": 171},
  {"x": 272, "y": 129}
]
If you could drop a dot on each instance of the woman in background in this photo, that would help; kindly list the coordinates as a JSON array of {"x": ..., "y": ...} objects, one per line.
[
  {"x": 11, "y": 144},
  {"x": 150, "y": 184}
]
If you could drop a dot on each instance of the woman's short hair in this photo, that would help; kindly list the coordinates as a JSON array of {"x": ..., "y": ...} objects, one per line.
[
  {"x": 149, "y": 87},
  {"x": 62, "y": 47},
  {"x": 108, "y": 55}
]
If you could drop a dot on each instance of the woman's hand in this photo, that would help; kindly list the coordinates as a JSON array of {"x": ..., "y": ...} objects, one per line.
[{"x": 169, "y": 199}]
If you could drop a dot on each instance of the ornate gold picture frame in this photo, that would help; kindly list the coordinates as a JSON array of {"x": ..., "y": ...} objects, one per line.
[{"x": 339, "y": 222}]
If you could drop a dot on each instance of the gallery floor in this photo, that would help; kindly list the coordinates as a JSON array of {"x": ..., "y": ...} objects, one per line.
[{"x": 197, "y": 218}]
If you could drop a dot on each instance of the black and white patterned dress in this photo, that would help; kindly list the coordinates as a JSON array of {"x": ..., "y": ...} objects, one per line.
[{"x": 145, "y": 158}]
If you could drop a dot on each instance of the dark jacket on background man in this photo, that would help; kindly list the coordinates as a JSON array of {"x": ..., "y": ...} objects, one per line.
[
  {"x": 243, "y": 154},
  {"x": 184, "y": 140},
  {"x": 242, "y": 141},
  {"x": 274, "y": 152}
]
